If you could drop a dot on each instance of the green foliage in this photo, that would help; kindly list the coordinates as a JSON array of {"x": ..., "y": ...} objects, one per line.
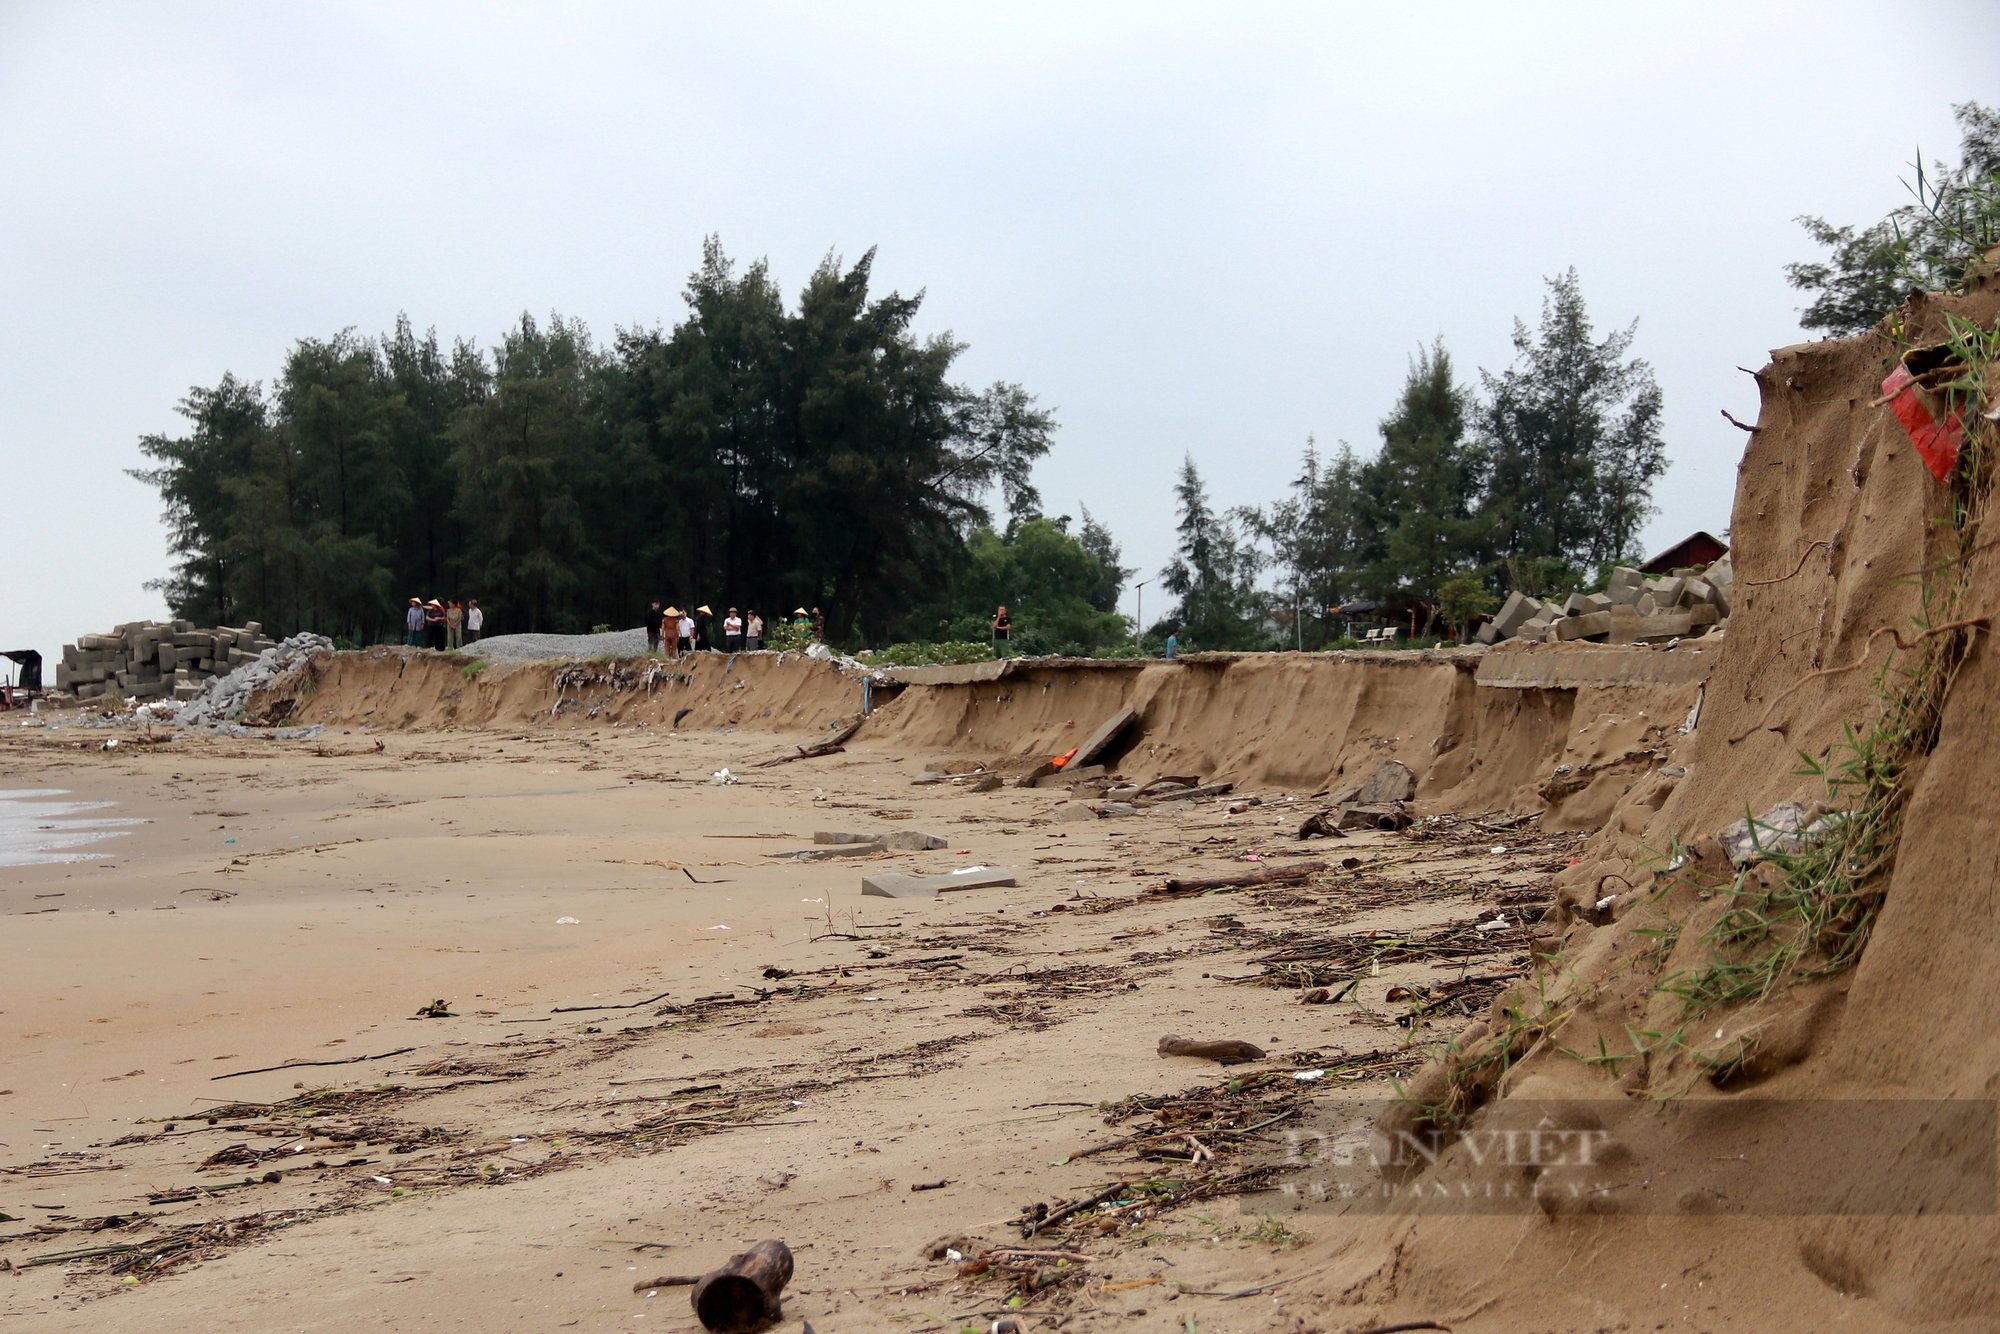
[
  {"x": 1462, "y": 597},
  {"x": 1212, "y": 573},
  {"x": 1419, "y": 493},
  {"x": 785, "y": 637},
  {"x": 952, "y": 653},
  {"x": 753, "y": 454},
  {"x": 1572, "y": 437},
  {"x": 1925, "y": 245}
]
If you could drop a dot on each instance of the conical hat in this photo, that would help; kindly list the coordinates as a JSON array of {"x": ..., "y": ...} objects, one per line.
[{"x": 672, "y": 611}]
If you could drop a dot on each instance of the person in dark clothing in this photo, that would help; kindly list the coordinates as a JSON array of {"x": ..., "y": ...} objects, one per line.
[
  {"x": 1003, "y": 632},
  {"x": 434, "y": 624},
  {"x": 653, "y": 618},
  {"x": 819, "y": 626}
]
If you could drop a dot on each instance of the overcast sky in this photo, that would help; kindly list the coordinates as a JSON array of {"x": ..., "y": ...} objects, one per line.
[{"x": 1203, "y": 229}]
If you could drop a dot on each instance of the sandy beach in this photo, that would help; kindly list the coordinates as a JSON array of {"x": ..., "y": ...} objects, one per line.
[{"x": 663, "y": 1040}]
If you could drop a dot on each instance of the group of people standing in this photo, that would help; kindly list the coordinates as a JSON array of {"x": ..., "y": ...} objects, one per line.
[
  {"x": 675, "y": 632},
  {"x": 442, "y": 625}
]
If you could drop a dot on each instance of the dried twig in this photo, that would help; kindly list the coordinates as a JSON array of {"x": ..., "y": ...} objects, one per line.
[{"x": 301, "y": 1065}]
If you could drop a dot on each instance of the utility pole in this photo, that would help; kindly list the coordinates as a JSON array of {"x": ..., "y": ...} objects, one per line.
[{"x": 1139, "y": 615}]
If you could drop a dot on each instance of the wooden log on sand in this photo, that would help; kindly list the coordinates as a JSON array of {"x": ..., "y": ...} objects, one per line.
[
  {"x": 1267, "y": 875},
  {"x": 744, "y": 1293}
]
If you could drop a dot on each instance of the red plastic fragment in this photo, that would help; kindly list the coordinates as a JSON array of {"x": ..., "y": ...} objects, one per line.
[{"x": 1937, "y": 442}]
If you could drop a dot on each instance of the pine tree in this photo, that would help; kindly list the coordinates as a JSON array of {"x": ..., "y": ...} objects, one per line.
[{"x": 1572, "y": 442}]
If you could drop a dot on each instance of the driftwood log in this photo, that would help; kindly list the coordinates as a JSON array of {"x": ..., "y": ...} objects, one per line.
[
  {"x": 1268, "y": 875},
  {"x": 831, "y": 745},
  {"x": 744, "y": 1293},
  {"x": 1223, "y": 1051}
]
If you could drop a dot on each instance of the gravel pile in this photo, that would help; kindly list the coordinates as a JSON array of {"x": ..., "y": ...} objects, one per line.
[
  {"x": 533, "y": 648},
  {"x": 222, "y": 699}
]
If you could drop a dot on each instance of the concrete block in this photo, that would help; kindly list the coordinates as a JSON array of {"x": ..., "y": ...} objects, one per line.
[
  {"x": 1648, "y": 603},
  {"x": 1489, "y": 633},
  {"x": 1582, "y": 604},
  {"x": 1590, "y": 625},
  {"x": 1514, "y": 613}
]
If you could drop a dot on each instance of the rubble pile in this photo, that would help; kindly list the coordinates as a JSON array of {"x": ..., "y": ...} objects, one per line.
[
  {"x": 221, "y": 699},
  {"x": 155, "y": 659},
  {"x": 1633, "y": 609}
]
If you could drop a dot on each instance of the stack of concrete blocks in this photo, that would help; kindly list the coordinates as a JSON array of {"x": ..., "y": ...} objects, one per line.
[
  {"x": 1632, "y": 609},
  {"x": 155, "y": 659}
]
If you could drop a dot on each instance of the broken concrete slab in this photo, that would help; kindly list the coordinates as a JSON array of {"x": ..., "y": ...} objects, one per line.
[
  {"x": 913, "y": 840},
  {"x": 1071, "y": 773},
  {"x": 890, "y": 885},
  {"x": 1391, "y": 781},
  {"x": 828, "y": 836},
  {"x": 1099, "y": 740},
  {"x": 1530, "y": 667},
  {"x": 1036, "y": 774},
  {"x": 1074, "y": 812},
  {"x": 827, "y": 854},
  {"x": 1113, "y": 809}
]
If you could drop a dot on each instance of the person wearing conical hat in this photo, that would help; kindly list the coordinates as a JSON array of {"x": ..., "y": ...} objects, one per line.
[
  {"x": 434, "y": 624},
  {"x": 670, "y": 631},
  {"x": 703, "y": 638}
]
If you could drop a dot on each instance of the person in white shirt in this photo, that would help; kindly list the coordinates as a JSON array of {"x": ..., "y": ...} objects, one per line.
[
  {"x": 687, "y": 633},
  {"x": 732, "y": 632},
  {"x": 756, "y": 633},
  {"x": 475, "y": 620}
]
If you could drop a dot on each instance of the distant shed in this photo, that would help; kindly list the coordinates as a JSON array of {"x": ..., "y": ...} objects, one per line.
[{"x": 1698, "y": 549}]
